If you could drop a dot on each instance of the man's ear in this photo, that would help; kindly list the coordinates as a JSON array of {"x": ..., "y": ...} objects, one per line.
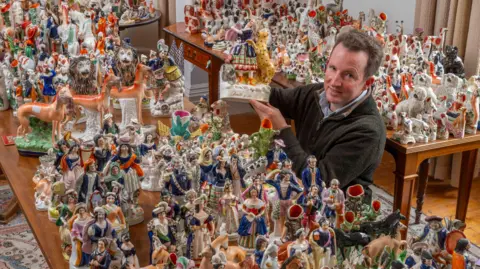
[{"x": 368, "y": 82}]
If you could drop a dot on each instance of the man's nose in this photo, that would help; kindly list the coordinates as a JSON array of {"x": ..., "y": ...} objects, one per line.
[{"x": 336, "y": 79}]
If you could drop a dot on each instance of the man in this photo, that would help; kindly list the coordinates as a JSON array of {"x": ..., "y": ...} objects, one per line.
[{"x": 337, "y": 121}]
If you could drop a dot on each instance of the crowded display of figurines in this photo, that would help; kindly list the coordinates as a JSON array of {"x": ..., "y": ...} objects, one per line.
[
  {"x": 62, "y": 65},
  {"x": 225, "y": 200},
  {"x": 134, "y": 11}
]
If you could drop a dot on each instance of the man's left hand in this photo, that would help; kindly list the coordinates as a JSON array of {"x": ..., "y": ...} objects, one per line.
[{"x": 269, "y": 112}]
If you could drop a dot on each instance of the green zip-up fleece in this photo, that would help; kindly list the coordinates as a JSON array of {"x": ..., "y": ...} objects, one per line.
[{"x": 348, "y": 146}]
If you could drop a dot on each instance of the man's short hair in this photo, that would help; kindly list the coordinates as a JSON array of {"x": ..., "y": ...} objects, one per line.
[{"x": 355, "y": 40}]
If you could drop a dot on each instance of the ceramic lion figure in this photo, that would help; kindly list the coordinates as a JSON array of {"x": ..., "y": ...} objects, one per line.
[
  {"x": 82, "y": 76},
  {"x": 126, "y": 61},
  {"x": 266, "y": 69}
]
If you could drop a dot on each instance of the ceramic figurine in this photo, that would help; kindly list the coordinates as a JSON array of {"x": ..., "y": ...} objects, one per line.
[
  {"x": 261, "y": 140},
  {"x": 110, "y": 128},
  {"x": 284, "y": 189},
  {"x": 248, "y": 70},
  {"x": 202, "y": 229},
  {"x": 114, "y": 214},
  {"x": 416, "y": 257},
  {"x": 293, "y": 222},
  {"x": 65, "y": 214},
  {"x": 448, "y": 88},
  {"x": 253, "y": 222},
  {"x": 261, "y": 244},
  {"x": 160, "y": 227},
  {"x": 177, "y": 182},
  {"x": 43, "y": 179},
  {"x": 130, "y": 165},
  {"x": 376, "y": 247},
  {"x": 434, "y": 234},
  {"x": 442, "y": 131},
  {"x": 472, "y": 112},
  {"x": 334, "y": 203},
  {"x": 191, "y": 21},
  {"x": 88, "y": 183},
  {"x": 404, "y": 134},
  {"x": 236, "y": 173},
  {"x": 312, "y": 204},
  {"x": 457, "y": 127},
  {"x": 80, "y": 218},
  {"x": 311, "y": 176},
  {"x": 322, "y": 244},
  {"x": 172, "y": 87},
  {"x": 94, "y": 230},
  {"x": 113, "y": 174},
  {"x": 461, "y": 257},
  {"x": 270, "y": 258},
  {"x": 228, "y": 210},
  {"x": 129, "y": 252},
  {"x": 299, "y": 248},
  {"x": 415, "y": 103},
  {"x": 72, "y": 167},
  {"x": 452, "y": 62},
  {"x": 100, "y": 256}
]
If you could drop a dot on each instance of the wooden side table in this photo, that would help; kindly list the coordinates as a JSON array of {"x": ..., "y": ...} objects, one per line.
[{"x": 412, "y": 158}]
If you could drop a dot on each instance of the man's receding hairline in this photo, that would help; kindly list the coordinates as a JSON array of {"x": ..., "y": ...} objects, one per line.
[{"x": 355, "y": 50}]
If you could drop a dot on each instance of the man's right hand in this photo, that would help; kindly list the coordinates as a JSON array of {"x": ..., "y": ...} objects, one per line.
[{"x": 269, "y": 112}]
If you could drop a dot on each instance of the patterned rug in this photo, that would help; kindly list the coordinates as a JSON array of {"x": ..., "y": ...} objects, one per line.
[{"x": 18, "y": 247}]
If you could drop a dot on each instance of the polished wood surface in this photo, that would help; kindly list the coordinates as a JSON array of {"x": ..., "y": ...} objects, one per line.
[
  {"x": 20, "y": 170},
  {"x": 141, "y": 23},
  {"x": 408, "y": 159}
]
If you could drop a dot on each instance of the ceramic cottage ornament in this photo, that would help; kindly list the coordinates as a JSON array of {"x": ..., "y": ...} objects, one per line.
[{"x": 249, "y": 71}]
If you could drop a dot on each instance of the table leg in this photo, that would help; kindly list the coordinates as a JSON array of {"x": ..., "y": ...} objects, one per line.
[
  {"x": 465, "y": 186},
  {"x": 422, "y": 188},
  {"x": 213, "y": 79},
  {"x": 405, "y": 174}
]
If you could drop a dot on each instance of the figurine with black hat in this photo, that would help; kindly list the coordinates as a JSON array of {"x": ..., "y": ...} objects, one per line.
[
  {"x": 427, "y": 260},
  {"x": 434, "y": 234}
]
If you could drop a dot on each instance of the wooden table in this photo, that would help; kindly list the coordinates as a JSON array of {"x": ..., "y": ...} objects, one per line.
[
  {"x": 144, "y": 22},
  {"x": 20, "y": 170},
  {"x": 207, "y": 59},
  {"x": 412, "y": 158}
]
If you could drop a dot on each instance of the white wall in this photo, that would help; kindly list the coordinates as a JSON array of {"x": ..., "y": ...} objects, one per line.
[{"x": 396, "y": 10}]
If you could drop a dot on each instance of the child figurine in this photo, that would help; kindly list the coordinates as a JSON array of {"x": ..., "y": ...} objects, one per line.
[
  {"x": 276, "y": 155},
  {"x": 311, "y": 176},
  {"x": 253, "y": 222},
  {"x": 101, "y": 257},
  {"x": 334, "y": 203}
]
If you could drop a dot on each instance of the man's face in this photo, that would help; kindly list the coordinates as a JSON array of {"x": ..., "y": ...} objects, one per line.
[{"x": 344, "y": 77}]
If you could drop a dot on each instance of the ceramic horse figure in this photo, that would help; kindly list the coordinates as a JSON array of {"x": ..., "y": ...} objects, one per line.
[
  {"x": 96, "y": 103},
  {"x": 54, "y": 113},
  {"x": 137, "y": 91},
  {"x": 160, "y": 258}
]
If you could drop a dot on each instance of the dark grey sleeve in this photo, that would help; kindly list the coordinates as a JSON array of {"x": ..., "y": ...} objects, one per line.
[{"x": 293, "y": 150}]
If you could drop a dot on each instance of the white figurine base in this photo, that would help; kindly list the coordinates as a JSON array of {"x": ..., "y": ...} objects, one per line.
[
  {"x": 92, "y": 126},
  {"x": 129, "y": 111},
  {"x": 165, "y": 109},
  {"x": 243, "y": 92},
  {"x": 42, "y": 206}
]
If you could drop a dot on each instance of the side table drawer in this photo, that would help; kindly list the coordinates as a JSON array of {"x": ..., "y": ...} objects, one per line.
[{"x": 196, "y": 56}]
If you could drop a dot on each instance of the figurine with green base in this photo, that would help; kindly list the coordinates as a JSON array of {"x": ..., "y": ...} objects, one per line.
[
  {"x": 260, "y": 141},
  {"x": 38, "y": 141}
]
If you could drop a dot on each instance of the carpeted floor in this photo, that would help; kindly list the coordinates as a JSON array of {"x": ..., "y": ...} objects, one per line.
[{"x": 19, "y": 250}]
